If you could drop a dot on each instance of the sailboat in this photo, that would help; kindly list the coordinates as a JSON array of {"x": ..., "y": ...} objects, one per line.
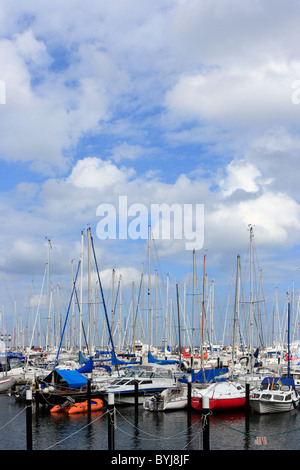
[
  {"x": 222, "y": 396},
  {"x": 6, "y": 384}
]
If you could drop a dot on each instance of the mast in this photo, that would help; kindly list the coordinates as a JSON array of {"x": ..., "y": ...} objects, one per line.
[
  {"x": 193, "y": 311},
  {"x": 178, "y": 313},
  {"x": 251, "y": 299},
  {"x": 202, "y": 322},
  {"x": 48, "y": 292},
  {"x": 289, "y": 318},
  {"x": 113, "y": 302},
  {"x": 80, "y": 302},
  {"x": 235, "y": 307},
  {"x": 149, "y": 287},
  {"x": 133, "y": 320},
  {"x": 89, "y": 291}
]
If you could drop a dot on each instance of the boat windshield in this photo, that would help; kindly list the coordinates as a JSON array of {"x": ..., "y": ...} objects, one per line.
[
  {"x": 266, "y": 396},
  {"x": 279, "y": 397}
]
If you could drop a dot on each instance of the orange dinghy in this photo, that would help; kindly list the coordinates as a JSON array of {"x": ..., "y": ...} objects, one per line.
[
  {"x": 96, "y": 404},
  {"x": 71, "y": 408}
]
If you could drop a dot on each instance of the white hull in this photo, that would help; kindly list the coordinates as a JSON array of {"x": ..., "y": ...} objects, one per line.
[
  {"x": 275, "y": 395},
  {"x": 6, "y": 385},
  {"x": 169, "y": 399},
  {"x": 264, "y": 407}
]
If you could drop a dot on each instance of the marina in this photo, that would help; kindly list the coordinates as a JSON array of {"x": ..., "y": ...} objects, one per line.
[
  {"x": 139, "y": 396},
  {"x": 154, "y": 431},
  {"x": 168, "y": 415}
]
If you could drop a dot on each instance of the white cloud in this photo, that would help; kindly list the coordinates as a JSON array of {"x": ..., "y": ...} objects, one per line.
[
  {"x": 93, "y": 172},
  {"x": 126, "y": 151},
  {"x": 237, "y": 97},
  {"x": 240, "y": 175}
]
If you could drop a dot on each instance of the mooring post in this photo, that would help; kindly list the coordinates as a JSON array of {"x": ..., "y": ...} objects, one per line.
[
  {"x": 189, "y": 398},
  {"x": 89, "y": 394},
  {"x": 111, "y": 424},
  {"x": 136, "y": 400},
  {"x": 29, "y": 419},
  {"x": 247, "y": 415},
  {"x": 205, "y": 422}
]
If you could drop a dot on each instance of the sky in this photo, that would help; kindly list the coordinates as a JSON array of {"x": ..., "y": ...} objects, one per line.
[{"x": 171, "y": 102}]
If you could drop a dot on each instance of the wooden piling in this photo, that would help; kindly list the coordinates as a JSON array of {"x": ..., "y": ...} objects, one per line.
[
  {"x": 29, "y": 419},
  {"x": 205, "y": 423},
  {"x": 111, "y": 424}
]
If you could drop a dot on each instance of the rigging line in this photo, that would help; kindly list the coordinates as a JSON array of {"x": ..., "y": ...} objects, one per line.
[
  {"x": 76, "y": 432},
  {"x": 70, "y": 303},
  {"x": 254, "y": 435},
  {"x": 191, "y": 440},
  {"x": 145, "y": 432},
  {"x": 104, "y": 304},
  {"x": 13, "y": 418}
]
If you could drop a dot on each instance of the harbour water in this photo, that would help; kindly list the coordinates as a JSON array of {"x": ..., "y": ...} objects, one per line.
[{"x": 150, "y": 431}]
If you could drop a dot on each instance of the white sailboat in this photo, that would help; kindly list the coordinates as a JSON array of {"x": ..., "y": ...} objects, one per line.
[{"x": 6, "y": 384}]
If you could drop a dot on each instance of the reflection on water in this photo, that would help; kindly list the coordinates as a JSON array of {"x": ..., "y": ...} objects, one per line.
[{"x": 149, "y": 431}]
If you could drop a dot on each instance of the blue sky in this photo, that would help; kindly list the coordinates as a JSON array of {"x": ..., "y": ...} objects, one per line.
[{"x": 182, "y": 101}]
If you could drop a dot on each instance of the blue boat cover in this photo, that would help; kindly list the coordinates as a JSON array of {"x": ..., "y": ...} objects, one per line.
[
  {"x": 207, "y": 375},
  {"x": 82, "y": 359},
  {"x": 73, "y": 378},
  {"x": 87, "y": 367},
  {"x": 118, "y": 362},
  {"x": 282, "y": 380},
  {"x": 153, "y": 360}
]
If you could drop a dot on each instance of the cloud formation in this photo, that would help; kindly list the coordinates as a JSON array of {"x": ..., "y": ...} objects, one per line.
[{"x": 178, "y": 102}]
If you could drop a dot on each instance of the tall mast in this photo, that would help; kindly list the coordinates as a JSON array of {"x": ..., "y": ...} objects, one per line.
[
  {"x": 251, "y": 299},
  {"x": 193, "y": 311},
  {"x": 113, "y": 303},
  {"x": 133, "y": 319},
  {"x": 80, "y": 301},
  {"x": 178, "y": 314},
  {"x": 89, "y": 291},
  {"x": 202, "y": 323},
  {"x": 149, "y": 287},
  {"x": 235, "y": 307}
]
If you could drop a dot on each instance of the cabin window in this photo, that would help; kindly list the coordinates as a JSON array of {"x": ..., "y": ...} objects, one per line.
[
  {"x": 266, "y": 396},
  {"x": 288, "y": 397},
  {"x": 279, "y": 397}
]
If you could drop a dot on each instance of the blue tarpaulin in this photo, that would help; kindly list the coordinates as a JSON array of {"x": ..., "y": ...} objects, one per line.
[
  {"x": 207, "y": 375},
  {"x": 73, "y": 378},
  {"x": 87, "y": 367},
  {"x": 152, "y": 360}
]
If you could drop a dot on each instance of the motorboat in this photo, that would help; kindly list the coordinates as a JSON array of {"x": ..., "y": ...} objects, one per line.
[
  {"x": 150, "y": 379},
  {"x": 17, "y": 369},
  {"x": 175, "y": 398},
  {"x": 224, "y": 395},
  {"x": 275, "y": 395}
]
